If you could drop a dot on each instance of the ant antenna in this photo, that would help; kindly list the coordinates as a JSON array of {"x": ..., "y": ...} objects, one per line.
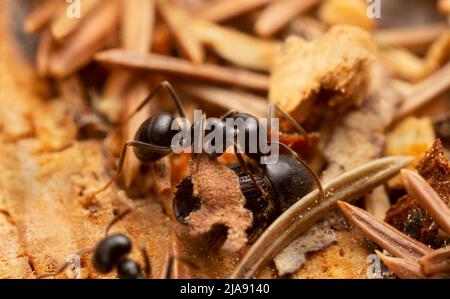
[
  {"x": 173, "y": 95},
  {"x": 272, "y": 109}
]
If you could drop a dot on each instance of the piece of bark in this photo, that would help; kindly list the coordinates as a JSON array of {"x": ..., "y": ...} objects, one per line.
[
  {"x": 222, "y": 202},
  {"x": 334, "y": 66},
  {"x": 407, "y": 215},
  {"x": 377, "y": 203},
  {"x": 294, "y": 256},
  {"x": 360, "y": 135}
]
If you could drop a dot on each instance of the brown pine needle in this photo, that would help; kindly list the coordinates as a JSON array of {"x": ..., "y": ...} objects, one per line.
[
  {"x": 280, "y": 13},
  {"x": 310, "y": 209},
  {"x": 402, "y": 268},
  {"x": 425, "y": 91},
  {"x": 383, "y": 234},
  {"x": 179, "y": 23},
  {"x": 221, "y": 10},
  {"x": 62, "y": 26},
  {"x": 175, "y": 66},
  {"x": 138, "y": 21},
  {"x": 228, "y": 99},
  {"x": 237, "y": 47},
  {"x": 428, "y": 198},
  {"x": 80, "y": 47},
  {"x": 41, "y": 16},
  {"x": 436, "y": 262},
  {"x": 45, "y": 48},
  {"x": 410, "y": 37}
]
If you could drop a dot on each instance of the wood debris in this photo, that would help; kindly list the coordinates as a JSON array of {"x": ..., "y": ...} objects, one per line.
[
  {"x": 349, "y": 12},
  {"x": 334, "y": 67},
  {"x": 221, "y": 203},
  {"x": 407, "y": 215}
]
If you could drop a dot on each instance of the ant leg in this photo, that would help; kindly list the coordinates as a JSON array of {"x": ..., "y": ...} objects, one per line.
[
  {"x": 134, "y": 143},
  {"x": 294, "y": 123},
  {"x": 245, "y": 168},
  {"x": 173, "y": 95},
  {"x": 292, "y": 153},
  {"x": 147, "y": 267}
]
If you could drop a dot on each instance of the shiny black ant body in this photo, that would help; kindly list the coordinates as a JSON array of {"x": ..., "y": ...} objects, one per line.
[
  {"x": 269, "y": 189},
  {"x": 153, "y": 139}
]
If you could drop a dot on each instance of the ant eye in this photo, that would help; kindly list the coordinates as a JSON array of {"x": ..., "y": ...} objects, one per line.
[{"x": 109, "y": 251}]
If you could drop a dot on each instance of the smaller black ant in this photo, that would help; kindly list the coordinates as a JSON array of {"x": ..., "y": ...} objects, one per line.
[{"x": 111, "y": 253}]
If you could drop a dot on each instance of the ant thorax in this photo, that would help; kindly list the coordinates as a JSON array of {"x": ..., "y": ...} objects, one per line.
[{"x": 248, "y": 135}]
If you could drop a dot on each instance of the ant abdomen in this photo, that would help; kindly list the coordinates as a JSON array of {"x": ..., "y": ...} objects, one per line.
[{"x": 284, "y": 183}]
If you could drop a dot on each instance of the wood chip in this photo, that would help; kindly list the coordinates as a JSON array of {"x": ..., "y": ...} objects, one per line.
[
  {"x": 221, "y": 10},
  {"x": 350, "y": 12},
  {"x": 180, "y": 67},
  {"x": 383, "y": 234},
  {"x": 279, "y": 14},
  {"x": 222, "y": 202},
  {"x": 179, "y": 22},
  {"x": 337, "y": 64},
  {"x": 428, "y": 198}
]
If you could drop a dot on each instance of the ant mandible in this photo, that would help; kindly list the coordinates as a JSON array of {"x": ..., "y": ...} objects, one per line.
[{"x": 153, "y": 140}]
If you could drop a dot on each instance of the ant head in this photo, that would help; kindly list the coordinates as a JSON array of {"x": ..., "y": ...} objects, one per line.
[{"x": 109, "y": 251}]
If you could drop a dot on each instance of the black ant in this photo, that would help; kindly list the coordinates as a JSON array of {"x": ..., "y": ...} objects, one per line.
[
  {"x": 153, "y": 141},
  {"x": 278, "y": 185},
  {"x": 111, "y": 253}
]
